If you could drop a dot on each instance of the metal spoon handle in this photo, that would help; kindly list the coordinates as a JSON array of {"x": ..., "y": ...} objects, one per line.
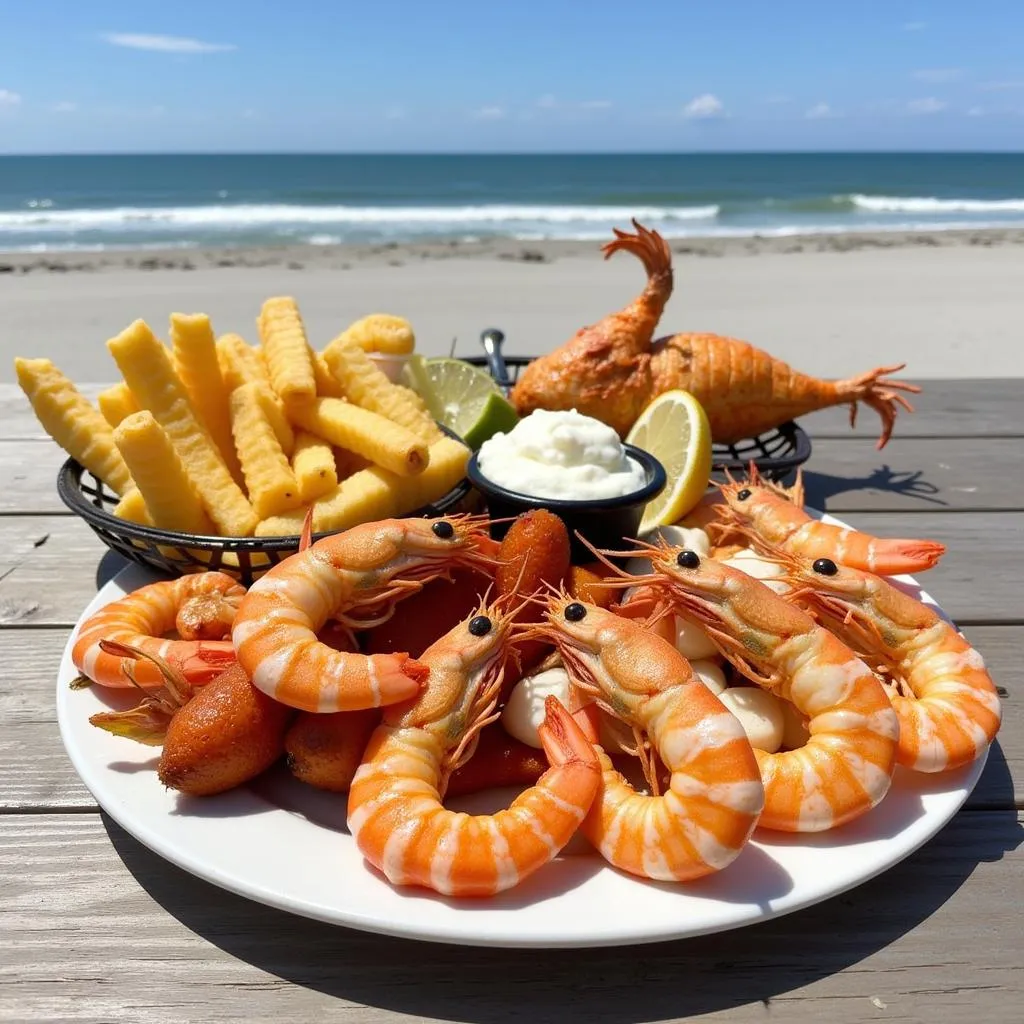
[{"x": 492, "y": 340}]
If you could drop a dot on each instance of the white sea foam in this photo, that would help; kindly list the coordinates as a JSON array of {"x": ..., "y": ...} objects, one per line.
[
  {"x": 128, "y": 218},
  {"x": 930, "y": 204}
]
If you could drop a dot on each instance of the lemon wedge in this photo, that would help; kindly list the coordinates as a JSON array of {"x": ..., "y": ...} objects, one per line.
[{"x": 674, "y": 428}]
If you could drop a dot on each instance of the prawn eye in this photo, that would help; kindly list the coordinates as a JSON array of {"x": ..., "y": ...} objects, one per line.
[
  {"x": 743, "y": 495},
  {"x": 825, "y": 567},
  {"x": 687, "y": 559},
  {"x": 575, "y": 611},
  {"x": 443, "y": 529},
  {"x": 480, "y": 625}
]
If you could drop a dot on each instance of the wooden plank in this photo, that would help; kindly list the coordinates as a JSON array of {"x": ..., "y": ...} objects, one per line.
[
  {"x": 847, "y": 475},
  {"x": 913, "y": 475},
  {"x": 91, "y": 934},
  {"x": 50, "y": 564},
  {"x": 976, "y": 407},
  {"x": 945, "y": 408},
  {"x": 38, "y": 774}
]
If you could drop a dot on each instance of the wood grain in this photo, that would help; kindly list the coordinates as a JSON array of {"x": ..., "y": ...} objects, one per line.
[
  {"x": 37, "y": 772},
  {"x": 125, "y": 936}
]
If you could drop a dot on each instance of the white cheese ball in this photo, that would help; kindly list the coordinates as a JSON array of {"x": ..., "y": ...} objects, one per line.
[
  {"x": 760, "y": 714},
  {"x": 678, "y": 537},
  {"x": 710, "y": 673},
  {"x": 794, "y": 732},
  {"x": 692, "y": 642},
  {"x": 753, "y": 565},
  {"x": 524, "y": 712}
]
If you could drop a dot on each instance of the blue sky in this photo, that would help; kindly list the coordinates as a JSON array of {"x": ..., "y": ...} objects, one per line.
[{"x": 449, "y": 75}]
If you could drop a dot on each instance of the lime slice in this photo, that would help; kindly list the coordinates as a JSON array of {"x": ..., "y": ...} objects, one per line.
[
  {"x": 464, "y": 398},
  {"x": 674, "y": 428}
]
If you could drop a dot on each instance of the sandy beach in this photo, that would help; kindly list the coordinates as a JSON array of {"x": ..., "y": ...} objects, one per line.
[{"x": 946, "y": 303}]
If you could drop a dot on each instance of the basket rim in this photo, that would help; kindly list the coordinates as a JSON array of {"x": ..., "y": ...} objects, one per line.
[{"x": 69, "y": 487}]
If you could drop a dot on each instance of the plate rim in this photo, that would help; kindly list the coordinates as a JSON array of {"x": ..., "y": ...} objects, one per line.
[{"x": 91, "y": 774}]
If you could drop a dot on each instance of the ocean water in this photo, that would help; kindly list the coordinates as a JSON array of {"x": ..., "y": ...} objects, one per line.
[{"x": 98, "y": 202}]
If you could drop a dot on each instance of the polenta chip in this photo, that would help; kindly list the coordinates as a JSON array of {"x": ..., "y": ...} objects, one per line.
[
  {"x": 146, "y": 367},
  {"x": 289, "y": 357},
  {"x": 313, "y": 466},
  {"x": 116, "y": 403},
  {"x": 73, "y": 422}
]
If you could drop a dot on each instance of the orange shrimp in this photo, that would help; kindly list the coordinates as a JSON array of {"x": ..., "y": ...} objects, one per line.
[
  {"x": 715, "y": 794},
  {"x": 395, "y": 810},
  {"x": 140, "y": 620},
  {"x": 368, "y": 569},
  {"x": 777, "y": 516},
  {"x": 947, "y": 705},
  {"x": 846, "y": 766},
  {"x": 604, "y": 371}
]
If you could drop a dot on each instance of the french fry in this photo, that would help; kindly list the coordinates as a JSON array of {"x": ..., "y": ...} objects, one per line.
[
  {"x": 289, "y": 357},
  {"x": 146, "y": 368},
  {"x": 268, "y": 476},
  {"x": 313, "y": 466},
  {"x": 116, "y": 403},
  {"x": 375, "y": 493},
  {"x": 160, "y": 477},
  {"x": 273, "y": 409},
  {"x": 73, "y": 421},
  {"x": 132, "y": 508},
  {"x": 364, "y": 497},
  {"x": 240, "y": 363},
  {"x": 327, "y": 385},
  {"x": 366, "y": 433},
  {"x": 195, "y": 359},
  {"x": 381, "y": 332},
  {"x": 368, "y": 387}
]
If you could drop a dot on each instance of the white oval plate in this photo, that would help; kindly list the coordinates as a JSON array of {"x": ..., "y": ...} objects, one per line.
[{"x": 285, "y": 844}]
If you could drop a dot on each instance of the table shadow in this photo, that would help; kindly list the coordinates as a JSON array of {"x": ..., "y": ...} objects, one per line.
[
  {"x": 603, "y": 985},
  {"x": 820, "y": 487}
]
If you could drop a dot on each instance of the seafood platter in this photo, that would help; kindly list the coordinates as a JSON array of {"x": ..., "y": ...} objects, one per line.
[{"x": 500, "y": 666}]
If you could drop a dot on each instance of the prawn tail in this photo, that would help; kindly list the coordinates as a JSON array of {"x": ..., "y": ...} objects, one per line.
[
  {"x": 892, "y": 556},
  {"x": 208, "y": 661},
  {"x": 564, "y": 741}
]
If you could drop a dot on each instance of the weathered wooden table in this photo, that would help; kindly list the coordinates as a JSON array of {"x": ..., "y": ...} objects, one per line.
[{"x": 95, "y": 927}]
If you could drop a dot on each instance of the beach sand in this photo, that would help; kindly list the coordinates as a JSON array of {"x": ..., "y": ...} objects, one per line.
[{"x": 948, "y": 304}]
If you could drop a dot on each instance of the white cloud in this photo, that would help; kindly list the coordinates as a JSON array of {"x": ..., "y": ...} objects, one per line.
[
  {"x": 976, "y": 112},
  {"x": 547, "y": 102},
  {"x": 64, "y": 107},
  {"x": 915, "y": 26},
  {"x": 1006, "y": 84},
  {"x": 489, "y": 113},
  {"x": 165, "y": 44},
  {"x": 937, "y": 74},
  {"x": 595, "y": 104},
  {"x": 928, "y": 105},
  {"x": 819, "y": 112},
  {"x": 704, "y": 107},
  {"x": 9, "y": 99}
]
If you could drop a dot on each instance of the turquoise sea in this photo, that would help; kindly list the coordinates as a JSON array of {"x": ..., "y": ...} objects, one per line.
[{"x": 97, "y": 202}]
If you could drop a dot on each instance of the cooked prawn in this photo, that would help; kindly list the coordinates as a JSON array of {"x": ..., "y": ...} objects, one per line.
[
  {"x": 191, "y": 604},
  {"x": 776, "y": 515},
  {"x": 714, "y": 797},
  {"x": 395, "y": 809},
  {"x": 365, "y": 569},
  {"x": 947, "y": 705},
  {"x": 846, "y": 766}
]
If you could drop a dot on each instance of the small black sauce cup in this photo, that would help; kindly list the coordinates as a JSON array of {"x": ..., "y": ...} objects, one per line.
[{"x": 604, "y": 522}]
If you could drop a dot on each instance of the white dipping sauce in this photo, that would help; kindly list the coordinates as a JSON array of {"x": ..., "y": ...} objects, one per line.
[
  {"x": 524, "y": 713},
  {"x": 561, "y": 455}
]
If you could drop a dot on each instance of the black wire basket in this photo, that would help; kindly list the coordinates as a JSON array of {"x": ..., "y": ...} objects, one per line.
[
  {"x": 776, "y": 453},
  {"x": 176, "y": 554}
]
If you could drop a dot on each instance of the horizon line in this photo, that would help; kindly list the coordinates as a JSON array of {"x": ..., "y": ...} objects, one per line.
[{"x": 519, "y": 153}]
